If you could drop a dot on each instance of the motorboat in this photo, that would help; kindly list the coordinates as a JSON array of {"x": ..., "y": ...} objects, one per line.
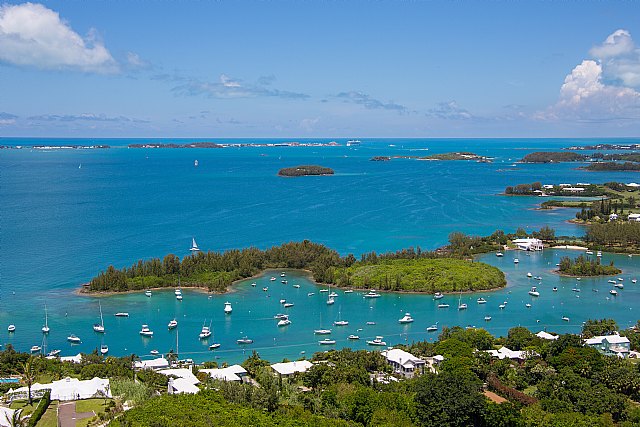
[
  {"x": 282, "y": 301},
  {"x": 104, "y": 349},
  {"x": 462, "y": 306},
  {"x": 227, "y": 308},
  {"x": 281, "y": 316},
  {"x": 35, "y": 349},
  {"x": 283, "y": 274},
  {"x": 333, "y": 295},
  {"x": 331, "y": 301},
  {"x": 177, "y": 292},
  {"x": 147, "y": 293},
  {"x": 438, "y": 295},
  {"x": 371, "y": 323},
  {"x": 11, "y": 328},
  {"x": 154, "y": 352},
  {"x": 575, "y": 289},
  {"x": 273, "y": 279},
  {"x": 613, "y": 282},
  {"x": 265, "y": 289},
  {"x": 487, "y": 318},
  {"x": 173, "y": 324},
  {"x": 310, "y": 294},
  {"x": 254, "y": 284},
  {"x": 284, "y": 322},
  {"x": 74, "y": 339},
  {"x": 620, "y": 279},
  {"x": 565, "y": 318},
  {"x": 296, "y": 286},
  {"x": 619, "y": 285},
  {"x": 534, "y": 292},
  {"x": 377, "y": 341},
  {"x": 516, "y": 260},
  {"x": 599, "y": 253},
  {"x": 499, "y": 254},
  {"x": 634, "y": 280},
  {"x": 145, "y": 331},
  {"x": 537, "y": 278},
  {"x": 288, "y": 304},
  {"x": 613, "y": 292},
  {"x": 179, "y": 297},
  {"x": 555, "y": 289},
  {"x": 353, "y": 337},
  {"x": 53, "y": 353},
  {"x": 284, "y": 282},
  {"x": 341, "y": 323},
  {"x": 527, "y": 305},
  {"x": 529, "y": 275},
  {"x": 214, "y": 346},
  {"x": 443, "y": 305},
  {"x": 432, "y": 328},
  {"x": 327, "y": 341},
  {"x": 324, "y": 290},
  {"x": 322, "y": 331},
  {"x": 205, "y": 332},
  {"x": 406, "y": 318},
  {"x": 122, "y": 314},
  {"x": 372, "y": 294},
  {"x": 501, "y": 306},
  {"x": 245, "y": 340},
  {"x": 482, "y": 300},
  {"x": 348, "y": 291},
  {"x": 588, "y": 252}
]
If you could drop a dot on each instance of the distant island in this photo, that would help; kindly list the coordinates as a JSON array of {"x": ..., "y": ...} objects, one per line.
[
  {"x": 458, "y": 155},
  {"x": 552, "y": 157},
  {"x": 234, "y": 144},
  {"x": 605, "y": 147},
  {"x": 54, "y": 147},
  {"x": 306, "y": 170},
  {"x": 612, "y": 166},
  {"x": 172, "y": 145}
]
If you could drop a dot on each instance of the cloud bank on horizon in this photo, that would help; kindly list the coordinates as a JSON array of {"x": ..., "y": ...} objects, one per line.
[{"x": 602, "y": 88}]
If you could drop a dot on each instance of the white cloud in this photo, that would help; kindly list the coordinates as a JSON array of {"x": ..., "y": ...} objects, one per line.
[
  {"x": 227, "y": 88},
  {"x": 450, "y": 110},
  {"x": 618, "y": 43},
  {"x": 32, "y": 35},
  {"x": 134, "y": 61},
  {"x": 620, "y": 59}
]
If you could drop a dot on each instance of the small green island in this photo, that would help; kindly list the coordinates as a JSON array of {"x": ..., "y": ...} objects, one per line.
[
  {"x": 553, "y": 157},
  {"x": 582, "y": 266},
  {"x": 306, "y": 170},
  {"x": 612, "y": 166},
  {"x": 407, "y": 270},
  {"x": 457, "y": 155}
]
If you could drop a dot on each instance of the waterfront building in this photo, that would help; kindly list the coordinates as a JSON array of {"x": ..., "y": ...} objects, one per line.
[
  {"x": 610, "y": 345},
  {"x": 528, "y": 244}
]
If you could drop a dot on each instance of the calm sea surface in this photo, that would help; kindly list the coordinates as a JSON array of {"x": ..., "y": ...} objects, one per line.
[{"x": 65, "y": 215}]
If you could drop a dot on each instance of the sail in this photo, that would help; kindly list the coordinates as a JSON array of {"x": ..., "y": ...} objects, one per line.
[{"x": 194, "y": 245}]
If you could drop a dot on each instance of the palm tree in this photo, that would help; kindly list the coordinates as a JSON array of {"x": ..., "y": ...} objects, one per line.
[
  {"x": 16, "y": 419},
  {"x": 28, "y": 375}
]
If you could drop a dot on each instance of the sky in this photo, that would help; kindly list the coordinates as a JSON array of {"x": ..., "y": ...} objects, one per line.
[{"x": 320, "y": 69}]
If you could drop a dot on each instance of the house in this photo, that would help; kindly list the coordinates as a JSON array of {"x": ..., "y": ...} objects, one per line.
[
  {"x": 73, "y": 359},
  {"x": 181, "y": 386},
  {"x": 546, "y": 336},
  {"x": 610, "y": 345},
  {"x": 67, "y": 389},
  {"x": 184, "y": 373},
  {"x": 613, "y": 217},
  {"x": 633, "y": 185},
  {"x": 505, "y": 353},
  {"x": 573, "y": 189},
  {"x": 231, "y": 373},
  {"x": 289, "y": 368},
  {"x": 548, "y": 187},
  {"x": 529, "y": 244},
  {"x": 634, "y": 217},
  {"x": 155, "y": 364},
  {"x": 404, "y": 363}
]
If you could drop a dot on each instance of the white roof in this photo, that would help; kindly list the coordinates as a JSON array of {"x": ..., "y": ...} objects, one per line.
[
  {"x": 633, "y": 184},
  {"x": 611, "y": 339},
  {"x": 289, "y": 368},
  {"x": 182, "y": 386},
  {"x": 634, "y": 216},
  {"x": 183, "y": 373},
  {"x": 402, "y": 357},
  {"x": 527, "y": 240},
  {"x": 231, "y": 373},
  {"x": 159, "y": 363},
  {"x": 504, "y": 352},
  {"x": 75, "y": 359},
  {"x": 546, "y": 336},
  {"x": 5, "y": 415},
  {"x": 72, "y": 388}
]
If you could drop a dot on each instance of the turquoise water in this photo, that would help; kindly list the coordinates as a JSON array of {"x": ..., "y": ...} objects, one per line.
[{"x": 61, "y": 224}]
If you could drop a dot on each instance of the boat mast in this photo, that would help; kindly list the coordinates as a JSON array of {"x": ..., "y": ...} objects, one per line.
[{"x": 101, "y": 319}]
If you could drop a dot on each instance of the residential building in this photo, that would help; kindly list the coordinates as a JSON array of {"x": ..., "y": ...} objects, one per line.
[
  {"x": 404, "y": 363},
  {"x": 610, "y": 345}
]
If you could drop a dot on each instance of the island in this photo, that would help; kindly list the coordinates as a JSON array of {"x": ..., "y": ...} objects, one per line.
[
  {"x": 553, "y": 157},
  {"x": 305, "y": 170},
  {"x": 406, "y": 270},
  {"x": 612, "y": 166},
  {"x": 457, "y": 155},
  {"x": 604, "y": 147},
  {"x": 581, "y": 266}
]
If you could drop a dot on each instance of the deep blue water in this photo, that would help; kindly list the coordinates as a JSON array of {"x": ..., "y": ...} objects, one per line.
[{"x": 61, "y": 224}]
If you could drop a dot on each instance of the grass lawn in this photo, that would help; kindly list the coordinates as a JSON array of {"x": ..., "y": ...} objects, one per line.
[
  {"x": 90, "y": 405},
  {"x": 50, "y": 418},
  {"x": 23, "y": 404}
]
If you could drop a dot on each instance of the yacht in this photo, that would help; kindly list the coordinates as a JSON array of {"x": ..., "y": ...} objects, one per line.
[
  {"x": 194, "y": 246},
  {"x": 372, "y": 294},
  {"x": 527, "y": 305},
  {"x": 438, "y": 295},
  {"x": 173, "y": 324},
  {"x": 327, "y": 341},
  {"x": 331, "y": 301},
  {"x": 227, "y": 308},
  {"x": 487, "y": 318},
  {"x": 565, "y": 318},
  {"x": 45, "y": 328},
  {"x": 516, "y": 260},
  {"x": 310, "y": 294},
  {"x": 122, "y": 314},
  {"x": 145, "y": 331},
  {"x": 322, "y": 331},
  {"x": 284, "y": 322},
  {"x": 377, "y": 341},
  {"x": 613, "y": 292},
  {"x": 147, "y": 293},
  {"x": 99, "y": 327},
  {"x": 205, "y": 332},
  {"x": 11, "y": 328},
  {"x": 353, "y": 337},
  {"x": 104, "y": 349},
  {"x": 73, "y": 339},
  {"x": 273, "y": 279},
  {"x": 529, "y": 275},
  {"x": 443, "y": 305},
  {"x": 482, "y": 300},
  {"x": 341, "y": 323},
  {"x": 534, "y": 292},
  {"x": 53, "y": 353},
  {"x": 406, "y": 319},
  {"x": 288, "y": 304},
  {"x": 499, "y": 254},
  {"x": 432, "y": 328},
  {"x": 35, "y": 349},
  {"x": 245, "y": 340},
  {"x": 214, "y": 346}
]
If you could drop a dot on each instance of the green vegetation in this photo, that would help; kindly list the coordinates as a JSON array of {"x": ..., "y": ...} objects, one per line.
[
  {"x": 582, "y": 266},
  {"x": 535, "y": 189},
  {"x": 305, "y": 170},
  {"x": 552, "y": 157},
  {"x": 630, "y": 157},
  {"x": 612, "y": 166},
  {"x": 616, "y": 234},
  {"x": 462, "y": 155},
  {"x": 50, "y": 417},
  {"x": 420, "y": 275}
]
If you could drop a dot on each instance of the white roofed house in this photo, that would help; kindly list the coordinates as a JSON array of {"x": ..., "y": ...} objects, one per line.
[
  {"x": 610, "y": 345},
  {"x": 404, "y": 363},
  {"x": 287, "y": 369},
  {"x": 68, "y": 389},
  {"x": 155, "y": 364},
  {"x": 234, "y": 373},
  {"x": 181, "y": 381},
  {"x": 634, "y": 217},
  {"x": 529, "y": 244}
]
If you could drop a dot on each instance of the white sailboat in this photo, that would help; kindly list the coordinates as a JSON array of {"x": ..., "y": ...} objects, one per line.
[
  {"x": 340, "y": 322},
  {"x": 194, "y": 246},
  {"x": 99, "y": 327},
  {"x": 461, "y": 305},
  {"x": 45, "y": 328}
]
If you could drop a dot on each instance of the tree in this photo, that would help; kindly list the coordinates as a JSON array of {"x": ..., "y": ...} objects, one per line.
[
  {"x": 28, "y": 375},
  {"x": 591, "y": 327},
  {"x": 520, "y": 338},
  {"x": 16, "y": 419}
]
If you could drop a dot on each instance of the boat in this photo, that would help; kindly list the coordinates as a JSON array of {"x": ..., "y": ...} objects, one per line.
[
  {"x": 443, "y": 305},
  {"x": 565, "y": 318},
  {"x": 296, "y": 286},
  {"x": 501, "y": 306},
  {"x": 331, "y": 301},
  {"x": 99, "y": 327},
  {"x": 147, "y": 293},
  {"x": 35, "y": 349},
  {"x": 438, "y": 295},
  {"x": 613, "y": 292},
  {"x": 45, "y": 328},
  {"x": 620, "y": 279},
  {"x": 227, "y": 308},
  {"x": 195, "y": 163},
  {"x": 173, "y": 324},
  {"x": 527, "y": 305},
  {"x": 245, "y": 340},
  {"x": 461, "y": 305},
  {"x": 282, "y": 301},
  {"x": 104, "y": 349},
  {"x": 265, "y": 289},
  {"x": 634, "y": 280},
  {"x": 179, "y": 297},
  {"x": 371, "y": 323},
  {"x": 372, "y": 294},
  {"x": 284, "y": 322},
  {"x": 324, "y": 290},
  {"x": 555, "y": 289},
  {"x": 534, "y": 292},
  {"x": 273, "y": 279},
  {"x": 537, "y": 278},
  {"x": 327, "y": 341},
  {"x": 322, "y": 331},
  {"x": 589, "y": 252},
  {"x": 205, "y": 332},
  {"x": 283, "y": 274},
  {"x": 280, "y": 316},
  {"x": 194, "y": 246},
  {"x": 482, "y": 300},
  {"x": 348, "y": 291},
  {"x": 341, "y": 322},
  {"x": 599, "y": 253},
  {"x": 310, "y": 294},
  {"x": 353, "y": 337},
  {"x": 145, "y": 331},
  {"x": 254, "y": 284},
  {"x": 377, "y": 341},
  {"x": 177, "y": 292},
  {"x": 499, "y": 254},
  {"x": 529, "y": 275},
  {"x": 214, "y": 346},
  {"x": 432, "y": 328},
  {"x": 284, "y": 282},
  {"x": 487, "y": 318},
  {"x": 333, "y": 295},
  {"x": 11, "y": 328},
  {"x": 53, "y": 353},
  {"x": 154, "y": 352},
  {"x": 516, "y": 260},
  {"x": 619, "y": 285},
  {"x": 353, "y": 142},
  {"x": 73, "y": 339},
  {"x": 122, "y": 314},
  {"x": 406, "y": 319},
  {"x": 288, "y": 304},
  {"x": 613, "y": 282},
  {"x": 576, "y": 289}
]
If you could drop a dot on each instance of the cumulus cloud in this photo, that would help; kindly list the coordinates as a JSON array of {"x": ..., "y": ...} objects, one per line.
[
  {"x": 227, "y": 87},
  {"x": 450, "y": 111},
  {"x": 85, "y": 118},
  {"x": 370, "y": 103},
  {"x": 620, "y": 59},
  {"x": 33, "y": 35}
]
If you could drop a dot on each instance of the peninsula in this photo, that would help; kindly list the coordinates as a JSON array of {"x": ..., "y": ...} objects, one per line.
[{"x": 305, "y": 170}]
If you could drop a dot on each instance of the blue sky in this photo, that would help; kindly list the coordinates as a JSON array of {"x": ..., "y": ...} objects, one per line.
[{"x": 319, "y": 69}]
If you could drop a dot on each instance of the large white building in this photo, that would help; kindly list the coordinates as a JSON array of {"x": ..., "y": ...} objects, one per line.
[
  {"x": 529, "y": 244},
  {"x": 404, "y": 363}
]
